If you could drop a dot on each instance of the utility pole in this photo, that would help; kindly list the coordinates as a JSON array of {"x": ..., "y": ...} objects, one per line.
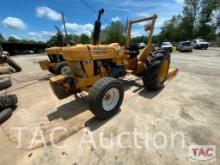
[{"x": 64, "y": 25}]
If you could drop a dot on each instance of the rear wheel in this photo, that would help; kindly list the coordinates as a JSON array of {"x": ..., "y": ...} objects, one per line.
[
  {"x": 106, "y": 97},
  {"x": 156, "y": 73}
]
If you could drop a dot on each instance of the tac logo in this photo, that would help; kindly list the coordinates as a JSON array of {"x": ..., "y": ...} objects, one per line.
[{"x": 202, "y": 153}]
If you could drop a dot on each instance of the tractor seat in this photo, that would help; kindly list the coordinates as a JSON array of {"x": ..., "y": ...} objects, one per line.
[
  {"x": 133, "y": 50},
  {"x": 5, "y": 83}
]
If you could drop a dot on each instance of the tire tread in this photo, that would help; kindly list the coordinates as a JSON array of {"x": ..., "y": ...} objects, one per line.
[
  {"x": 94, "y": 95},
  {"x": 151, "y": 74}
]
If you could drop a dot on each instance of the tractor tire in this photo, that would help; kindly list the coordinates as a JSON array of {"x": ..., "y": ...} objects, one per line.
[
  {"x": 105, "y": 97},
  {"x": 51, "y": 70},
  {"x": 156, "y": 73},
  {"x": 5, "y": 114},
  {"x": 58, "y": 69},
  {"x": 12, "y": 63},
  {"x": 8, "y": 101},
  {"x": 5, "y": 83}
]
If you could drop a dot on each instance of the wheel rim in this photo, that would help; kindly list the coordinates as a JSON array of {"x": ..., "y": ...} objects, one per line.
[
  {"x": 65, "y": 70},
  {"x": 110, "y": 99},
  {"x": 163, "y": 70}
]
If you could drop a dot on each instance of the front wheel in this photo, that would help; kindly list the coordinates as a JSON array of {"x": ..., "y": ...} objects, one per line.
[
  {"x": 61, "y": 68},
  {"x": 106, "y": 97}
]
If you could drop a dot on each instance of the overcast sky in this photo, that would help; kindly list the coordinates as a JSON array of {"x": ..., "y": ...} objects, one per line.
[{"x": 35, "y": 19}]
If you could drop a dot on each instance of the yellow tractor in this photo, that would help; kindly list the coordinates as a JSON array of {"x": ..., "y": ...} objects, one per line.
[
  {"x": 56, "y": 63},
  {"x": 95, "y": 68}
]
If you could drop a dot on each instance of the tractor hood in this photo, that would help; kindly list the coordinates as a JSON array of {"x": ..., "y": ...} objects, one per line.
[
  {"x": 54, "y": 50},
  {"x": 91, "y": 52}
]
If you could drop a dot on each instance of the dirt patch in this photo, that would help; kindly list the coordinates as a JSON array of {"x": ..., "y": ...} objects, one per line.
[
  {"x": 186, "y": 116},
  {"x": 201, "y": 135}
]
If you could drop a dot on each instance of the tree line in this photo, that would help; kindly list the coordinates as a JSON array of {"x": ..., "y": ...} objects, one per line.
[
  {"x": 200, "y": 19},
  {"x": 12, "y": 39},
  {"x": 115, "y": 32}
]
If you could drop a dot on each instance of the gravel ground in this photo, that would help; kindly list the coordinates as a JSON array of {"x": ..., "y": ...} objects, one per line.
[{"x": 152, "y": 127}]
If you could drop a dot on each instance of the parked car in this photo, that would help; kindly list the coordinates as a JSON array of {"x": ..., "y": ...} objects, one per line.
[
  {"x": 167, "y": 46},
  {"x": 29, "y": 52},
  {"x": 200, "y": 44},
  {"x": 5, "y": 53},
  {"x": 184, "y": 46},
  {"x": 141, "y": 45}
]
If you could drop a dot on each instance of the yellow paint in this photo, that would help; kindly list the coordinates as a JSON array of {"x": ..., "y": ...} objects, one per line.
[
  {"x": 86, "y": 89},
  {"x": 163, "y": 70},
  {"x": 145, "y": 52},
  {"x": 92, "y": 52},
  {"x": 44, "y": 64},
  {"x": 131, "y": 63},
  {"x": 172, "y": 73},
  {"x": 54, "y": 50},
  {"x": 140, "y": 68},
  {"x": 81, "y": 83},
  {"x": 89, "y": 67},
  {"x": 56, "y": 79}
]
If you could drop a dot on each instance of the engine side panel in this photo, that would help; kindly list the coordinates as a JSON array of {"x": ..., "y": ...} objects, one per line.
[{"x": 91, "y": 52}]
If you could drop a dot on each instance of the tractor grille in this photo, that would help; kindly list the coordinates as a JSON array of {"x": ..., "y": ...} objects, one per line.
[{"x": 55, "y": 58}]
